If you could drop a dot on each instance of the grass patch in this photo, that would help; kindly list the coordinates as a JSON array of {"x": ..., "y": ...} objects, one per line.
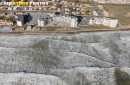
[
  {"x": 79, "y": 1},
  {"x": 81, "y": 79},
  {"x": 119, "y": 12},
  {"x": 95, "y": 27},
  {"x": 50, "y": 28},
  {"x": 122, "y": 78},
  {"x": 75, "y": 28}
]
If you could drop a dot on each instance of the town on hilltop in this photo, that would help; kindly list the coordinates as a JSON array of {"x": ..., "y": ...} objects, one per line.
[{"x": 28, "y": 15}]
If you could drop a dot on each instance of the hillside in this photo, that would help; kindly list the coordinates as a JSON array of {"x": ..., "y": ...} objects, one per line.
[{"x": 80, "y": 59}]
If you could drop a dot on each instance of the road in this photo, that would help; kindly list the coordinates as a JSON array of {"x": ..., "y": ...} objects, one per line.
[
  {"x": 98, "y": 10},
  {"x": 62, "y": 32}
]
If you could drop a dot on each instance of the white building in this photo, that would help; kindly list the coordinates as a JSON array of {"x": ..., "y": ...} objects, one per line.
[
  {"x": 72, "y": 20},
  {"x": 20, "y": 20},
  {"x": 104, "y": 21},
  {"x": 10, "y": 8},
  {"x": 43, "y": 21}
]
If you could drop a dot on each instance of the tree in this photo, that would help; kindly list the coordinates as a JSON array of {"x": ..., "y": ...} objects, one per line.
[
  {"x": 71, "y": 9},
  {"x": 12, "y": 19}
]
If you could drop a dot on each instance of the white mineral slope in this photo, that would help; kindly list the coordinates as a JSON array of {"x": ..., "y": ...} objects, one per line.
[
  {"x": 112, "y": 47},
  {"x": 80, "y": 59},
  {"x": 98, "y": 76},
  {"x": 74, "y": 59},
  {"x": 29, "y": 79},
  {"x": 126, "y": 70},
  {"x": 20, "y": 41},
  {"x": 108, "y": 47},
  {"x": 87, "y": 76}
]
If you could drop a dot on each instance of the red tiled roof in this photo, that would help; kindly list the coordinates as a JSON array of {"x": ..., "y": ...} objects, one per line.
[{"x": 5, "y": 21}]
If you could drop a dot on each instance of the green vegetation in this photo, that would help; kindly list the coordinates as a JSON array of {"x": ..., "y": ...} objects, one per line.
[
  {"x": 12, "y": 19},
  {"x": 72, "y": 0},
  {"x": 122, "y": 78},
  {"x": 81, "y": 79},
  {"x": 58, "y": 5},
  {"x": 50, "y": 28},
  {"x": 88, "y": 12},
  {"x": 86, "y": 2},
  {"x": 75, "y": 28},
  {"x": 47, "y": 16},
  {"x": 9, "y": 18},
  {"x": 77, "y": 1},
  {"x": 122, "y": 13},
  {"x": 3, "y": 17},
  {"x": 37, "y": 8},
  {"x": 35, "y": 25},
  {"x": 95, "y": 26}
]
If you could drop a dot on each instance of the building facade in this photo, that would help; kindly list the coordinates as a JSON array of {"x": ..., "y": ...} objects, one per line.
[
  {"x": 72, "y": 20},
  {"x": 5, "y": 22},
  {"x": 43, "y": 21},
  {"x": 104, "y": 21},
  {"x": 20, "y": 20}
]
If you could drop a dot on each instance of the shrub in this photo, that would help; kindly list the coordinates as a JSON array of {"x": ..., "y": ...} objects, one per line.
[
  {"x": 81, "y": 79},
  {"x": 122, "y": 78}
]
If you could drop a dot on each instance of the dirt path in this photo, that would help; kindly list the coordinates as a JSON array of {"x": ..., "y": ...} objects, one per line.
[{"x": 62, "y": 32}]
